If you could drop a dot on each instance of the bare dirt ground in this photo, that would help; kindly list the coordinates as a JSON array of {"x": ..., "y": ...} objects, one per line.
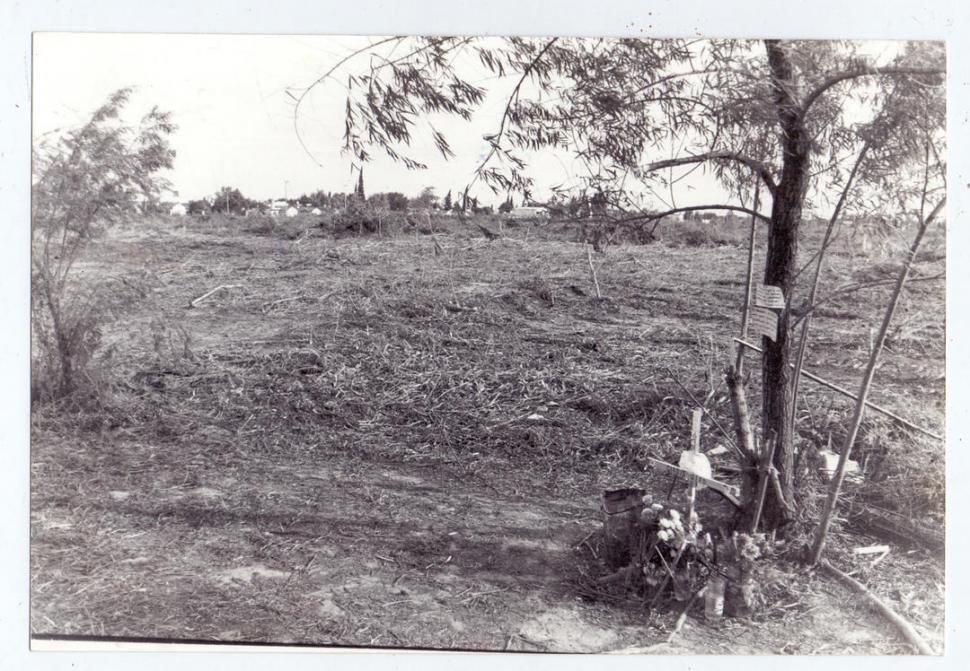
[{"x": 364, "y": 443}]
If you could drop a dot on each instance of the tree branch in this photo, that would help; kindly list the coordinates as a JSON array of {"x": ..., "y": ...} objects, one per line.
[
  {"x": 648, "y": 217},
  {"x": 320, "y": 80},
  {"x": 837, "y": 78},
  {"x": 495, "y": 141},
  {"x": 757, "y": 166}
]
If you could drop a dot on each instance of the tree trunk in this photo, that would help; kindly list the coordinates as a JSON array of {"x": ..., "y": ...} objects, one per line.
[{"x": 786, "y": 216}]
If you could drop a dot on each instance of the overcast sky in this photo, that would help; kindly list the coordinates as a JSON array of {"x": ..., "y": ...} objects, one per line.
[{"x": 230, "y": 97}]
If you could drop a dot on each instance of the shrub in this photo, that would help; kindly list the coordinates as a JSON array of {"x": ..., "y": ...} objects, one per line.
[
  {"x": 357, "y": 219},
  {"x": 91, "y": 178},
  {"x": 701, "y": 233}
]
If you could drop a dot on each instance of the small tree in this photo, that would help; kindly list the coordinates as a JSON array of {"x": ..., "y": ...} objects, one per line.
[
  {"x": 198, "y": 207},
  {"x": 83, "y": 183},
  {"x": 229, "y": 200},
  {"x": 397, "y": 202},
  {"x": 426, "y": 200},
  {"x": 378, "y": 201}
]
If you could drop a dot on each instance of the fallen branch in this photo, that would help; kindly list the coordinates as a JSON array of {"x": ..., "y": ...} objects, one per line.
[
  {"x": 616, "y": 576},
  {"x": 682, "y": 618},
  {"x": 489, "y": 234},
  {"x": 904, "y": 627},
  {"x": 201, "y": 298},
  {"x": 295, "y": 298},
  {"x": 283, "y": 300},
  {"x": 896, "y": 528}
]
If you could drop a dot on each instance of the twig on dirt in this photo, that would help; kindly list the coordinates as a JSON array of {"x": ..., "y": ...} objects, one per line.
[
  {"x": 201, "y": 298},
  {"x": 670, "y": 574},
  {"x": 475, "y": 595},
  {"x": 529, "y": 641},
  {"x": 617, "y": 575},
  {"x": 585, "y": 538},
  {"x": 396, "y": 603},
  {"x": 295, "y": 298},
  {"x": 904, "y": 627},
  {"x": 282, "y": 300},
  {"x": 303, "y": 568},
  {"x": 682, "y": 618}
]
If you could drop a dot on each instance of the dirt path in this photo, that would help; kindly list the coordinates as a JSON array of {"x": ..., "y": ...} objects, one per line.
[{"x": 344, "y": 552}]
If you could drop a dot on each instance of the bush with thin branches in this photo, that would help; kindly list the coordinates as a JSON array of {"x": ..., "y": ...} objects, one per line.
[{"x": 85, "y": 181}]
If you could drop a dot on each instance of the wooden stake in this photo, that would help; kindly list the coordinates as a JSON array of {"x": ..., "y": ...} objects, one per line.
[
  {"x": 695, "y": 448},
  {"x": 766, "y": 464},
  {"x": 849, "y": 394},
  {"x": 749, "y": 280},
  {"x": 860, "y": 406},
  {"x": 592, "y": 271}
]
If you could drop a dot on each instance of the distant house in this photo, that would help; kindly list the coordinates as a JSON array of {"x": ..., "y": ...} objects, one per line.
[
  {"x": 529, "y": 214},
  {"x": 278, "y": 208},
  {"x": 178, "y": 210},
  {"x": 315, "y": 211},
  {"x": 291, "y": 212}
]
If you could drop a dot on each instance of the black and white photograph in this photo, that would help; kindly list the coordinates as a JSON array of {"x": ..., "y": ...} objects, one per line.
[{"x": 489, "y": 343}]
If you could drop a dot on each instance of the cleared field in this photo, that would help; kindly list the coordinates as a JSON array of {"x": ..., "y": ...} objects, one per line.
[{"x": 367, "y": 442}]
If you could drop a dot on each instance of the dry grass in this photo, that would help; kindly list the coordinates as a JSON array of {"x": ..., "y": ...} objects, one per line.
[{"x": 490, "y": 366}]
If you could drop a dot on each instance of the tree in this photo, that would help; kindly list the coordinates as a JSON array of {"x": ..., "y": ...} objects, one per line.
[
  {"x": 231, "y": 201},
  {"x": 198, "y": 207},
  {"x": 378, "y": 201},
  {"x": 397, "y": 202},
  {"x": 785, "y": 115},
  {"x": 506, "y": 206},
  {"x": 359, "y": 191},
  {"x": 426, "y": 200},
  {"x": 446, "y": 203},
  {"x": 84, "y": 182}
]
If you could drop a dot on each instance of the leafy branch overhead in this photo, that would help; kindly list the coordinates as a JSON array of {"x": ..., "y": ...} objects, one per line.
[
  {"x": 631, "y": 110},
  {"x": 802, "y": 119}
]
